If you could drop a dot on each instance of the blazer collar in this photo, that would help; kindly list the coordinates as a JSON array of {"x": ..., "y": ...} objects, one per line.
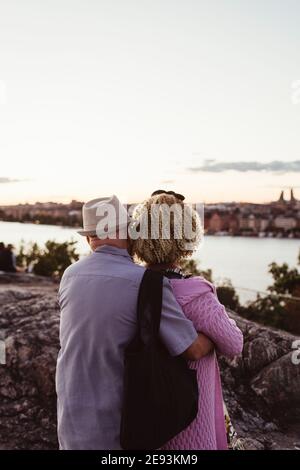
[{"x": 113, "y": 250}]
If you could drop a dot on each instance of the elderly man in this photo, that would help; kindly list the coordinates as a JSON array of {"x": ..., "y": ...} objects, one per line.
[{"x": 98, "y": 300}]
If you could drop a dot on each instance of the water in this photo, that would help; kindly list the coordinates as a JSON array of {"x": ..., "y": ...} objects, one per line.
[
  {"x": 242, "y": 260},
  {"x": 245, "y": 260},
  {"x": 15, "y": 232}
]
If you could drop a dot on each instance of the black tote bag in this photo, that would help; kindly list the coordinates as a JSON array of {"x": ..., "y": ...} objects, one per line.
[{"x": 160, "y": 391}]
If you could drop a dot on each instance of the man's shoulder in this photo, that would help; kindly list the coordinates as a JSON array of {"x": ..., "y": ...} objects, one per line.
[
  {"x": 77, "y": 267},
  {"x": 88, "y": 267}
]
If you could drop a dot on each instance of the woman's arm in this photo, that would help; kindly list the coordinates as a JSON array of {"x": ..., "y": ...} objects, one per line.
[{"x": 210, "y": 317}]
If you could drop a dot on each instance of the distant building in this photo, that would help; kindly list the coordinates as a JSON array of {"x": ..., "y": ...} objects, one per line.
[
  {"x": 264, "y": 224},
  {"x": 48, "y": 211},
  {"x": 217, "y": 223},
  {"x": 285, "y": 223},
  {"x": 233, "y": 224},
  {"x": 283, "y": 203},
  {"x": 75, "y": 214},
  {"x": 244, "y": 223},
  {"x": 233, "y": 218},
  {"x": 252, "y": 224}
]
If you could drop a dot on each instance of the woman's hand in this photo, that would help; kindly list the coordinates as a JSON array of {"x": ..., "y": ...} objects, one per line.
[{"x": 199, "y": 348}]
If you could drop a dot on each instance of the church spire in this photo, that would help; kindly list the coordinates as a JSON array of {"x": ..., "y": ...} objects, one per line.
[{"x": 292, "y": 196}]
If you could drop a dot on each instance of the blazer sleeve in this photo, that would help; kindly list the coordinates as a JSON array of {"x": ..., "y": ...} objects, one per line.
[
  {"x": 210, "y": 317},
  {"x": 176, "y": 331}
]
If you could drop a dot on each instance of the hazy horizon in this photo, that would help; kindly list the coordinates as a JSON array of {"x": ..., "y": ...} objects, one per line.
[
  {"x": 67, "y": 201},
  {"x": 102, "y": 97}
]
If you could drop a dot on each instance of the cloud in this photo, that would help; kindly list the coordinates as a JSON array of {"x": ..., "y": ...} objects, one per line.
[
  {"x": 4, "y": 180},
  {"x": 276, "y": 166}
]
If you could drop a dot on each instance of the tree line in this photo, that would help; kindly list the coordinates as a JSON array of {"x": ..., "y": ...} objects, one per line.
[{"x": 279, "y": 307}]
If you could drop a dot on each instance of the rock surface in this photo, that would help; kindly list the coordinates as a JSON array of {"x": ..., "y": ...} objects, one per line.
[{"x": 261, "y": 387}]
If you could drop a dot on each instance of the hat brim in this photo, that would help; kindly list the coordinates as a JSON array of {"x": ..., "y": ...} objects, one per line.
[{"x": 86, "y": 233}]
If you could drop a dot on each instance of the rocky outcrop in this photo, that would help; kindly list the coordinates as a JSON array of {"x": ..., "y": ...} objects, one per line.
[
  {"x": 25, "y": 279},
  {"x": 261, "y": 387},
  {"x": 29, "y": 324}
]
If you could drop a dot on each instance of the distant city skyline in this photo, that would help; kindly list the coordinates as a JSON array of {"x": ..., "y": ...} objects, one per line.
[
  {"x": 286, "y": 194},
  {"x": 127, "y": 97},
  {"x": 280, "y": 218},
  {"x": 249, "y": 197}
]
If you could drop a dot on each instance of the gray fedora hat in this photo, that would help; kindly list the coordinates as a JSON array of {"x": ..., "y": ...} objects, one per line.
[{"x": 104, "y": 216}]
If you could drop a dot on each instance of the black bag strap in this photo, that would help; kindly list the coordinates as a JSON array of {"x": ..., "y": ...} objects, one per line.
[{"x": 150, "y": 302}]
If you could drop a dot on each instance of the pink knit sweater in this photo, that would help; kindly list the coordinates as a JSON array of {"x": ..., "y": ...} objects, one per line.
[{"x": 200, "y": 304}]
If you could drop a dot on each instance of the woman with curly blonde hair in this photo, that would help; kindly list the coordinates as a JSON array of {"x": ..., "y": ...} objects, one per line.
[{"x": 165, "y": 232}]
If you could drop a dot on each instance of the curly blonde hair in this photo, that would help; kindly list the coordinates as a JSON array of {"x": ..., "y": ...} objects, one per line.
[{"x": 161, "y": 242}]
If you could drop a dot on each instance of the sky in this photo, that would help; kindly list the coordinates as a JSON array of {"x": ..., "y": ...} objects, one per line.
[{"x": 101, "y": 97}]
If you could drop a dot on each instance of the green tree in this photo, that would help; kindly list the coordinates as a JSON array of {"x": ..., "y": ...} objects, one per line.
[
  {"x": 280, "y": 308},
  {"x": 267, "y": 310},
  {"x": 27, "y": 254},
  {"x": 285, "y": 279},
  {"x": 52, "y": 260},
  {"x": 227, "y": 295},
  {"x": 190, "y": 266}
]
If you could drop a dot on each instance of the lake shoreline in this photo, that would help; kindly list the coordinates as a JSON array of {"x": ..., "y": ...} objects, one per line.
[
  {"x": 268, "y": 235},
  {"x": 243, "y": 260}
]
